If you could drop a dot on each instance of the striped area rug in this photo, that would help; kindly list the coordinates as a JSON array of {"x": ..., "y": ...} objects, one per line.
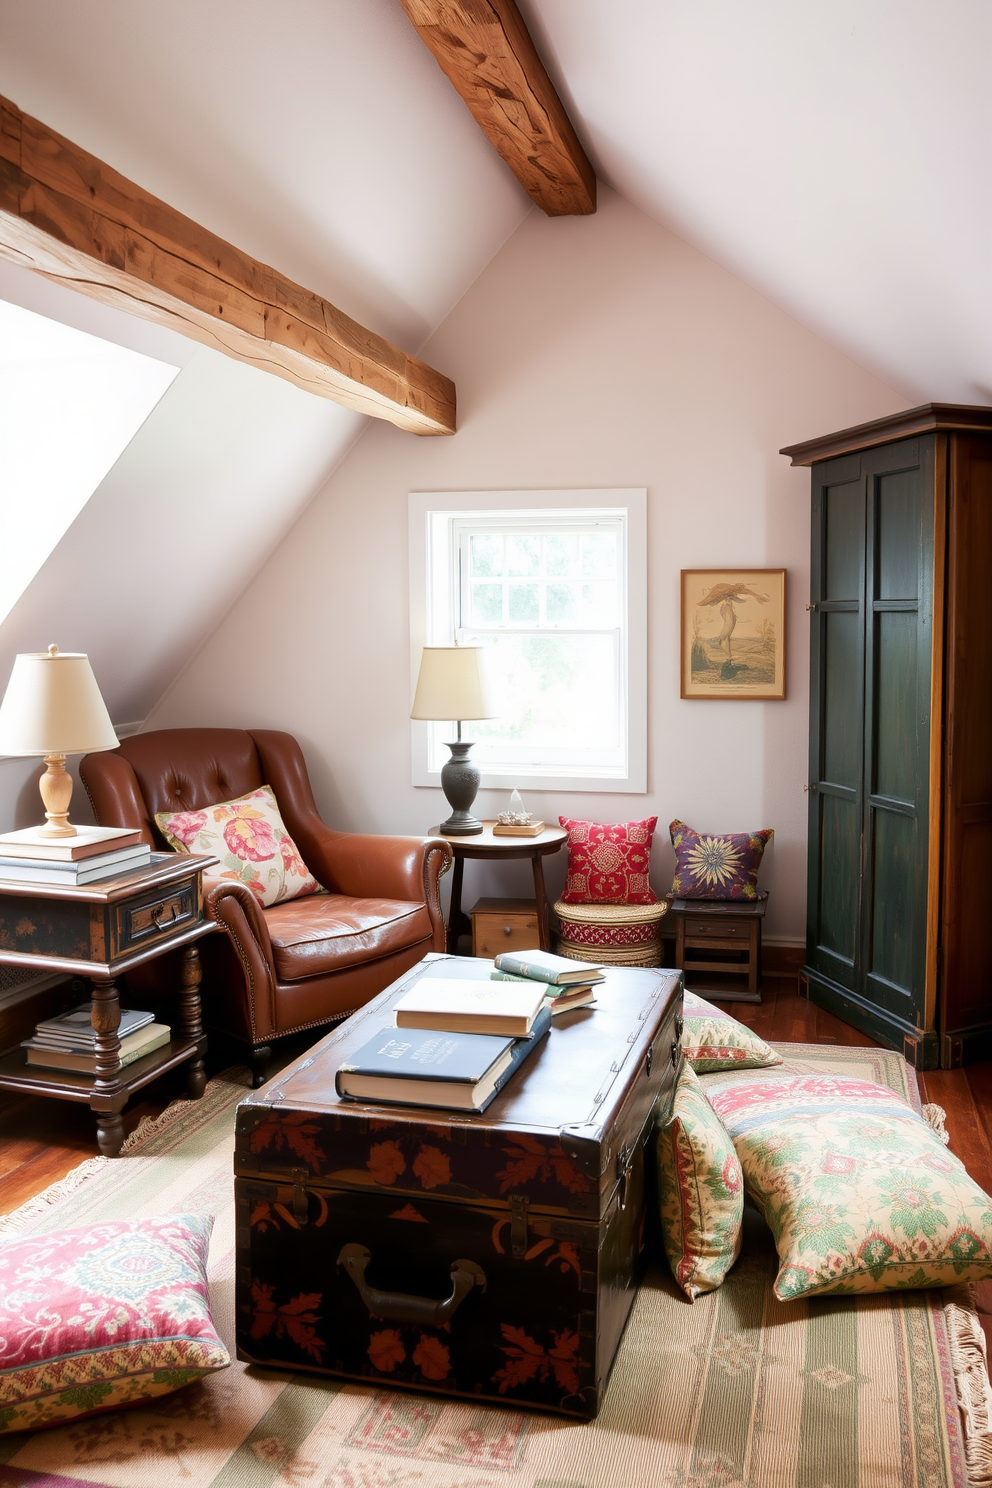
[{"x": 735, "y": 1391}]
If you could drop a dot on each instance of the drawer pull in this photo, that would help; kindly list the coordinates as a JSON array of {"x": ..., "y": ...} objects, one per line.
[
  {"x": 400, "y": 1307},
  {"x": 507, "y": 929}
]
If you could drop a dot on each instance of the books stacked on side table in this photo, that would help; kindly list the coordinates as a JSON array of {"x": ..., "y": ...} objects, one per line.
[
  {"x": 571, "y": 983},
  {"x": 94, "y": 853},
  {"x": 69, "y": 1041},
  {"x": 455, "y": 1042}
]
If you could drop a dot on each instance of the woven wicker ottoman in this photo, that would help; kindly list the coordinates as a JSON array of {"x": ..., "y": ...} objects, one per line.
[{"x": 613, "y": 934}]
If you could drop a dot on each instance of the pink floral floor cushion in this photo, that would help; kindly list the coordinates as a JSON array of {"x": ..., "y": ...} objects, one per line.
[
  {"x": 249, "y": 838},
  {"x": 701, "y": 1191},
  {"x": 860, "y": 1194},
  {"x": 96, "y": 1318}
]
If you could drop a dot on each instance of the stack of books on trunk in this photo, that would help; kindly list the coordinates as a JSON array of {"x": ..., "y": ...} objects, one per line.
[
  {"x": 454, "y": 1042},
  {"x": 92, "y": 854},
  {"x": 571, "y": 983},
  {"x": 69, "y": 1041}
]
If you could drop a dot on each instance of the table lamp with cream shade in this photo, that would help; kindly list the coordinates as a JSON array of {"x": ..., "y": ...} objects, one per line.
[
  {"x": 455, "y": 683},
  {"x": 53, "y": 707}
]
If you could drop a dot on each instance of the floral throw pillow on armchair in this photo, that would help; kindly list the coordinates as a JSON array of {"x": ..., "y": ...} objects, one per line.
[
  {"x": 722, "y": 866},
  {"x": 249, "y": 838}
]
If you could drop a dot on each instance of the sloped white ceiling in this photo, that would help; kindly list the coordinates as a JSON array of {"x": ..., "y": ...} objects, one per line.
[{"x": 833, "y": 153}]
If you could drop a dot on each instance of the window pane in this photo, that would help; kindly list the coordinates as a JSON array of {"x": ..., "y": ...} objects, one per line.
[
  {"x": 561, "y": 606},
  {"x": 523, "y": 603},
  {"x": 523, "y": 555},
  {"x": 561, "y": 554},
  {"x": 599, "y": 555},
  {"x": 546, "y": 686},
  {"x": 487, "y": 555},
  {"x": 598, "y": 604},
  {"x": 487, "y": 604}
]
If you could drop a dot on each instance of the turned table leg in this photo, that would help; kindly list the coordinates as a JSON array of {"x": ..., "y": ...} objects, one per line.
[
  {"x": 106, "y": 1018},
  {"x": 191, "y": 1019},
  {"x": 457, "y": 921},
  {"x": 543, "y": 926}
]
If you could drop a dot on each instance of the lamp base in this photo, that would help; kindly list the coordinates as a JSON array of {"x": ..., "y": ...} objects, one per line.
[
  {"x": 56, "y": 793},
  {"x": 460, "y": 783}
]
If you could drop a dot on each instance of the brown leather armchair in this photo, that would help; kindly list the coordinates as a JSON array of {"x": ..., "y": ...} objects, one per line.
[{"x": 309, "y": 961}]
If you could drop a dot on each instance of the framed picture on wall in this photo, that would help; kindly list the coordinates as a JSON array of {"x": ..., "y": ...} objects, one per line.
[{"x": 733, "y": 633}]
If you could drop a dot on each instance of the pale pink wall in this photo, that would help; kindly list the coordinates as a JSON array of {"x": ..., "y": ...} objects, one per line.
[{"x": 597, "y": 351}]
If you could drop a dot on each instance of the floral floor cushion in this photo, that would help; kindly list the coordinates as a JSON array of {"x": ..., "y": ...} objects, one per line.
[
  {"x": 101, "y": 1317},
  {"x": 713, "y": 1040},
  {"x": 859, "y": 1192},
  {"x": 701, "y": 1191},
  {"x": 251, "y": 841}
]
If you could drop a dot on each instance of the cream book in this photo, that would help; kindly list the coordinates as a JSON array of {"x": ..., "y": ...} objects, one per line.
[
  {"x": 88, "y": 842},
  {"x": 460, "y": 1005}
]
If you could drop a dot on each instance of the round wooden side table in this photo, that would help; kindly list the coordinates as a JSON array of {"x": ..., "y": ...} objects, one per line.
[{"x": 485, "y": 845}]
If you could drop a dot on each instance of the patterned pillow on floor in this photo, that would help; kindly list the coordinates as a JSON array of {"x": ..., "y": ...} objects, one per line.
[
  {"x": 860, "y": 1194},
  {"x": 713, "y": 1040},
  {"x": 701, "y": 1189},
  {"x": 96, "y": 1318}
]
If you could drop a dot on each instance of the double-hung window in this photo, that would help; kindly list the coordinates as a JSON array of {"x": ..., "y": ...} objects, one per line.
[{"x": 552, "y": 584}]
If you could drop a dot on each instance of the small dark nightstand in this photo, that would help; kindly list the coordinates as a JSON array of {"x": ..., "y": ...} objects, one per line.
[
  {"x": 720, "y": 936},
  {"x": 101, "y": 931}
]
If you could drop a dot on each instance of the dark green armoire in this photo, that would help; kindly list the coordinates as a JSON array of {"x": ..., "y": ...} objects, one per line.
[{"x": 899, "y": 907}]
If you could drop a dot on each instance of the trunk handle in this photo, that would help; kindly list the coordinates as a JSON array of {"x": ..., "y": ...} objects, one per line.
[{"x": 399, "y": 1307}]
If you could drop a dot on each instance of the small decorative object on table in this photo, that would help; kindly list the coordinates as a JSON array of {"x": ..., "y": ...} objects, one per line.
[{"x": 516, "y": 821}]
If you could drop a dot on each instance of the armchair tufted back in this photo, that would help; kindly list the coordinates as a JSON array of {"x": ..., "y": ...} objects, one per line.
[{"x": 170, "y": 770}]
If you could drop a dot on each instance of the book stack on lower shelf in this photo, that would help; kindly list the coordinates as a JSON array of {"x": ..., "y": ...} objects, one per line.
[
  {"x": 69, "y": 1041},
  {"x": 456, "y": 1042},
  {"x": 94, "y": 853}
]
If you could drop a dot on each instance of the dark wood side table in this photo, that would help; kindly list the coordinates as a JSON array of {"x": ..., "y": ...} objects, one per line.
[
  {"x": 720, "y": 936},
  {"x": 101, "y": 931},
  {"x": 485, "y": 845}
]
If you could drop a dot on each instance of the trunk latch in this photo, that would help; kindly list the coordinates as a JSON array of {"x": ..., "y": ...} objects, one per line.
[
  {"x": 518, "y": 1225},
  {"x": 301, "y": 1202}
]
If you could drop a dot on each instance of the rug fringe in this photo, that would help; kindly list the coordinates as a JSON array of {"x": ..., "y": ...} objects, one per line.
[
  {"x": 147, "y": 1127},
  {"x": 31, "y": 1208},
  {"x": 935, "y": 1116},
  {"x": 969, "y": 1360}
]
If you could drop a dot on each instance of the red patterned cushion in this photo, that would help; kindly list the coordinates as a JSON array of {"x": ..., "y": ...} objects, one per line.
[
  {"x": 609, "y": 863},
  {"x": 723, "y": 866},
  {"x": 96, "y": 1318}
]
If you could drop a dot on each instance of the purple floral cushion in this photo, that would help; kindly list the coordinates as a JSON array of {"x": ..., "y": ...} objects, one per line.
[{"x": 722, "y": 866}]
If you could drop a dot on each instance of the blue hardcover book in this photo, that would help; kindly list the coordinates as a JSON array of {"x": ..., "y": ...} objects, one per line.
[{"x": 418, "y": 1067}]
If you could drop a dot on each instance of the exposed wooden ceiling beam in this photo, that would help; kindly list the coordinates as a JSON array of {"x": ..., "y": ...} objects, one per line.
[
  {"x": 485, "y": 49},
  {"x": 72, "y": 218}
]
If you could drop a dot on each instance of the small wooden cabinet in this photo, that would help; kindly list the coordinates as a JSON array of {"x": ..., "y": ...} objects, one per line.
[
  {"x": 900, "y": 773},
  {"x": 721, "y": 939},
  {"x": 505, "y": 925}
]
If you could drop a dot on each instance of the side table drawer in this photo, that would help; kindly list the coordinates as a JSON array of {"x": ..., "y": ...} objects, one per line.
[
  {"x": 718, "y": 928},
  {"x": 508, "y": 925},
  {"x": 140, "y": 922}
]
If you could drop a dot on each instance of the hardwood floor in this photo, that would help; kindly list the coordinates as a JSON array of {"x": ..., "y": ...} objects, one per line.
[{"x": 43, "y": 1140}]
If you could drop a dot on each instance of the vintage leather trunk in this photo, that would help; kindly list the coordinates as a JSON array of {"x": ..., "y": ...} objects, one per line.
[{"x": 493, "y": 1257}]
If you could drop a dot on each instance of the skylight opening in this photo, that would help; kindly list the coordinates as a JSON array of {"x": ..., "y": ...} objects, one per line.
[{"x": 70, "y": 403}]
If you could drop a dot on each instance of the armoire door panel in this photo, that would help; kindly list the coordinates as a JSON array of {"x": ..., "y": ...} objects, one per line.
[
  {"x": 896, "y": 736},
  {"x": 893, "y": 969},
  {"x": 841, "y": 669},
  {"x": 837, "y": 910},
  {"x": 899, "y": 517},
  {"x": 843, "y": 555}
]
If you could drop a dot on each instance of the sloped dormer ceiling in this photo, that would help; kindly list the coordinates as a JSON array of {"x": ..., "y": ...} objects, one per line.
[{"x": 319, "y": 137}]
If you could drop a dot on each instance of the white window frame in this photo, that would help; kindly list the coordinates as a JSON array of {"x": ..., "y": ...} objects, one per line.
[{"x": 433, "y": 517}]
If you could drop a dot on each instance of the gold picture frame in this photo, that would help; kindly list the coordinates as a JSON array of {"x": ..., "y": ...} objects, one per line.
[{"x": 733, "y": 633}]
